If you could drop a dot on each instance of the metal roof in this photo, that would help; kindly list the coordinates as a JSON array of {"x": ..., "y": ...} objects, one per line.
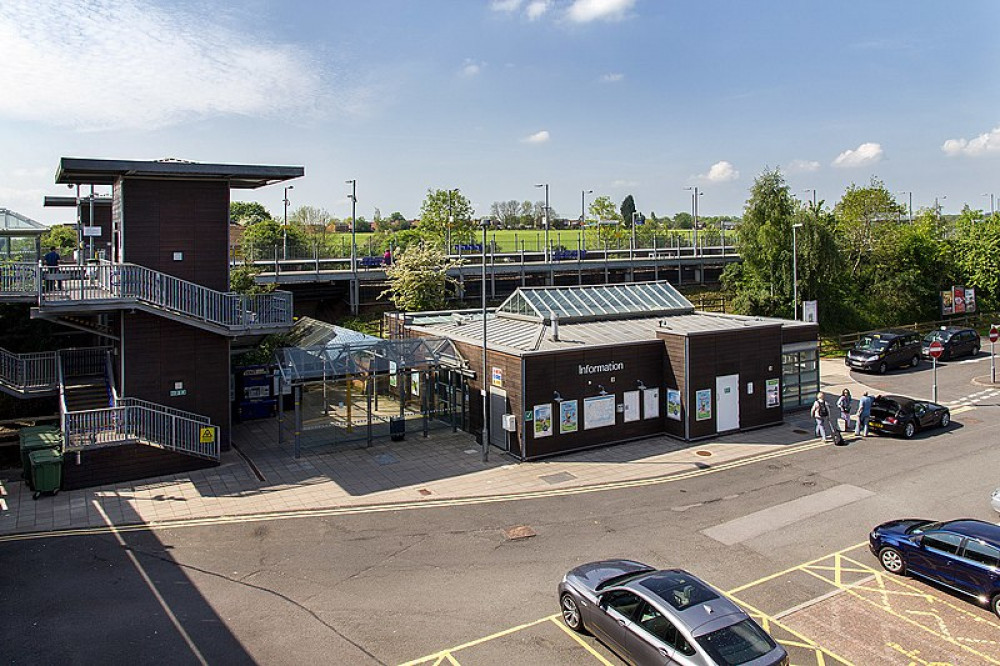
[
  {"x": 75, "y": 170},
  {"x": 594, "y": 302},
  {"x": 17, "y": 225}
]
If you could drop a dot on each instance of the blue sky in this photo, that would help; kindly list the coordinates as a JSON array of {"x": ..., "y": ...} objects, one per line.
[{"x": 641, "y": 97}]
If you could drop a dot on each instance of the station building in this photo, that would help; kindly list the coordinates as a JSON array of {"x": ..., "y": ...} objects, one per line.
[{"x": 584, "y": 366}]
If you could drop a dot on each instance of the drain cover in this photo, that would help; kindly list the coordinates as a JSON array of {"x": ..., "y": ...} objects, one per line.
[
  {"x": 557, "y": 478},
  {"x": 518, "y": 532},
  {"x": 703, "y": 453}
]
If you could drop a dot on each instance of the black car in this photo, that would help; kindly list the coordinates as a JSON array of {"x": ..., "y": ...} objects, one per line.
[
  {"x": 881, "y": 350},
  {"x": 963, "y": 555},
  {"x": 955, "y": 340},
  {"x": 899, "y": 415}
]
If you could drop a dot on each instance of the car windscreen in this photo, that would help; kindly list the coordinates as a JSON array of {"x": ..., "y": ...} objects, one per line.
[
  {"x": 938, "y": 336},
  {"x": 679, "y": 590},
  {"x": 920, "y": 528},
  {"x": 737, "y": 644},
  {"x": 870, "y": 343}
]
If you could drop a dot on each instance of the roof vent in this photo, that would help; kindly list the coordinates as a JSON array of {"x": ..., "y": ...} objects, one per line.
[
  {"x": 554, "y": 318},
  {"x": 459, "y": 319}
]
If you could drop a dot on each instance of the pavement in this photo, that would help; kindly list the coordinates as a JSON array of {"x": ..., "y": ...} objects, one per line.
[{"x": 262, "y": 477}]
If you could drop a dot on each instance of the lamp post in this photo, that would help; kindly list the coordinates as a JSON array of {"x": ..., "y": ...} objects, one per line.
[
  {"x": 795, "y": 273},
  {"x": 634, "y": 214},
  {"x": 937, "y": 206},
  {"x": 583, "y": 205},
  {"x": 909, "y": 209},
  {"x": 993, "y": 209},
  {"x": 694, "y": 211},
  {"x": 451, "y": 220},
  {"x": 545, "y": 219},
  {"x": 486, "y": 393},
  {"x": 354, "y": 223},
  {"x": 284, "y": 226}
]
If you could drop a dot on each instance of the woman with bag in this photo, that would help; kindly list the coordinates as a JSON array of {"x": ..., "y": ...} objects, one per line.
[
  {"x": 844, "y": 403},
  {"x": 820, "y": 412}
]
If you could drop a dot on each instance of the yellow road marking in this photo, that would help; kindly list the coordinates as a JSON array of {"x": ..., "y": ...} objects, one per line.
[
  {"x": 572, "y": 634},
  {"x": 797, "y": 567},
  {"x": 962, "y": 409},
  {"x": 417, "y": 504},
  {"x": 818, "y": 650},
  {"x": 446, "y": 654}
]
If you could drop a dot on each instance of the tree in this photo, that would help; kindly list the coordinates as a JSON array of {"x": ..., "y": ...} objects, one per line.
[
  {"x": 627, "y": 209},
  {"x": 60, "y": 236},
  {"x": 683, "y": 220},
  {"x": 435, "y": 211},
  {"x": 506, "y": 213},
  {"x": 310, "y": 217},
  {"x": 857, "y": 213},
  {"x": 418, "y": 278},
  {"x": 261, "y": 238},
  {"x": 977, "y": 257},
  {"x": 247, "y": 213},
  {"x": 603, "y": 209}
]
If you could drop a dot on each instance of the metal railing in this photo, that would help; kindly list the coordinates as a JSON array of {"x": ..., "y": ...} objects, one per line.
[
  {"x": 107, "y": 282},
  {"x": 18, "y": 278},
  {"x": 140, "y": 422},
  {"x": 29, "y": 373}
]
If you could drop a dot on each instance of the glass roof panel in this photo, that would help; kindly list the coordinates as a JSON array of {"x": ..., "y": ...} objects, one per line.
[
  {"x": 13, "y": 224},
  {"x": 593, "y": 302}
]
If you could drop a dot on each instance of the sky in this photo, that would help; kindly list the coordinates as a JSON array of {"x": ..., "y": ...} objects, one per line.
[{"x": 641, "y": 97}]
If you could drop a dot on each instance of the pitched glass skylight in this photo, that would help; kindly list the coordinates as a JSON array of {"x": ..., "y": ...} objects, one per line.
[{"x": 593, "y": 302}]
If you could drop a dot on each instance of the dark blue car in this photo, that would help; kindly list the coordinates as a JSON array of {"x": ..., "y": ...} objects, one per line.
[{"x": 963, "y": 555}]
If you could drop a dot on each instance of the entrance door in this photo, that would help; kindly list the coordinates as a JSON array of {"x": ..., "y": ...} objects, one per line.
[
  {"x": 498, "y": 407},
  {"x": 727, "y": 403}
]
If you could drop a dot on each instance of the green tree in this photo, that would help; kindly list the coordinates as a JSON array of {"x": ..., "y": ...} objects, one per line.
[
  {"x": 434, "y": 216},
  {"x": 683, "y": 220},
  {"x": 60, "y": 236},
  {"x": 418, "y": 278},
  {"x": 627, "y": 209},
  {"x": 247, "y": 212},
  {"x": 976, "y": 252},
  {"x": 602, "y": 208},
  {"x": 260, "y": 239},
  {"x": 858, "y": 212}
]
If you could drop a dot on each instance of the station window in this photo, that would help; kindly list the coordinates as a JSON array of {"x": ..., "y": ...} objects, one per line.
[{"x": 799, "y": 377}]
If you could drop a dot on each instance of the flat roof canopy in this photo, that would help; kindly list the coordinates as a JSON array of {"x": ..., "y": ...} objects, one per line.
[
  {"x": 71, "y": 202},
  {"x": 84, "y": 171}
]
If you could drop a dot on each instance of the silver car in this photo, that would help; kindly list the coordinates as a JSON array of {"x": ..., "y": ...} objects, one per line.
[{"x": 662, "y": 617}]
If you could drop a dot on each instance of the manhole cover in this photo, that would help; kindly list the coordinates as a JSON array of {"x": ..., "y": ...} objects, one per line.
[
  {"x": 560, "y": 477},
  {"x": 703, "y": 453},
  {"x": 518, "y": 532}
]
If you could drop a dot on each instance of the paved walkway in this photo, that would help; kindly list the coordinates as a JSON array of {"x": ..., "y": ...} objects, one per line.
[{"x": 267, "y": 478}]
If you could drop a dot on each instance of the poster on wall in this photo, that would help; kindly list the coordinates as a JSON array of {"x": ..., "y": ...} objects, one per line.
[
  {"x": 393, "y": 377},
  {"x": 810, "y": 312},
  {"x": 543, "y": 420},
  {"x": 958, "y": 299},
  {"x": 703, "y": 404},
  {"x": 415, "y": 383},
  {"x": 773, "y": 392},
  {"x": 673, "y": 404},
  {"x": 497, "y": 376},
  {"x": 651, "y": 403},
  {"x": 631, "y": 406},
  {"x": 970, "y": 299},
  {"x": 569, "y": 411},
  {"x": 947, "y": 306},
  {"x": 598, "y": 412}
]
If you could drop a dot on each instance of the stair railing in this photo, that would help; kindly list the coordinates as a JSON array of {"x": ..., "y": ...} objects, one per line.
[
  {"x": 25, "y": 374},
  {"x": 109, "y": 372},
  {"x": 144, "y": 423},
  {"x": 18, "y": 278}
]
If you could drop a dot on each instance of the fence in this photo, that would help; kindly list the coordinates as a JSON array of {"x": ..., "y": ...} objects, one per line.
[
  {"x": 138, "y": 422},
  {"x": 28, "y": 373},
  {"x": 977, "y": 321}
]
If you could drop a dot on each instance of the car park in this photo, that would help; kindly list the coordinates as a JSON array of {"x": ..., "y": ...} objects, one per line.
[
  {"x": 899, "y": 415},
  {"x": 880, "y": 351},
  {"x": 648, "y": 616},
  {"x": 955, "y": 341},
  {"x": 962, "y": 555}
]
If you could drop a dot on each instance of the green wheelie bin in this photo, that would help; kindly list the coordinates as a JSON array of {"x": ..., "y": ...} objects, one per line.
[
  {"x": 46, "y": 471},
  {"x": 40, "y": 437}
]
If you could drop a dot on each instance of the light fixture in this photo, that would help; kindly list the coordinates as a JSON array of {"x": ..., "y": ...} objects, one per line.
[
  {"x": 601, "y": 390},
  {"x": 640, "y": 385},
  {"x": 556, "y": 396}
]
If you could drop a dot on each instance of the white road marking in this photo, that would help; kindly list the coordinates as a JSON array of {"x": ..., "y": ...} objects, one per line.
[{"x": 3, "y": 505}]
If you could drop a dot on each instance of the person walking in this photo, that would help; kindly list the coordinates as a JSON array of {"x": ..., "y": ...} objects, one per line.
[
  {"x": 51, "y": 260},
  {"x": 864, "y": 413},
  {"x": 821, "y": 413},
  {"x": 844, "y": 404},
  {"x": 387, "y": 258}
]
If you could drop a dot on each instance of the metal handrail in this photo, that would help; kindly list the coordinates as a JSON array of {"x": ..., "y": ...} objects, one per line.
[
  {"x": 110, "y": 282},
  {"x": 109, "y": 371},
  {"x": 62, "y": 393},
  {"x": 139, "y": 423},
  {"x": 139, "y": 402},
  {"x": 29, "y": 373},
  {"x": 18, "y": 277}
]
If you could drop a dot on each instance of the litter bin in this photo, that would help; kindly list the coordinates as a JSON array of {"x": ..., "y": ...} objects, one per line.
[
  {"x": 397, "y": 428},
  {"x": 37, "y": 440},
  {"x": 46, "y": 471}
]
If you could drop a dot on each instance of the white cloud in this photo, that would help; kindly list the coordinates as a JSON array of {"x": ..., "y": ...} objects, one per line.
[
  {"x": 619, "y": 184},
  {"x": 988, "y": 142},
  {"x": 505, "y": 5},
  {"x": 113, "y": 64},
  {"x": 472, "y": 67},
  {"x": 803, "y": 166},
  {"x": 612, "y": 77},
  {"x": 537, "y": 137},
  {"x": 866, "y": 153},
  {"x": 585, "y": 11},
  {"x": 720, "y": 172},
  {"x": 536, "y": 8}
]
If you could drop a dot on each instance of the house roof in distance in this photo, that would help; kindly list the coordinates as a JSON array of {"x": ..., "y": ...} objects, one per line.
[{"x": 85, "y": 171}]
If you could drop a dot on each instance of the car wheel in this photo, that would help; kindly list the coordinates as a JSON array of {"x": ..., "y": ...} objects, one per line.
[
  {"x": 882, "y": 367},
  {"x": 892, "y": 561},
  {"x": 975, "y": 351},
  {"x": 945, "y": 419},
  {"x": 909, "y": 430},
  {"x": 915, "y": 361},
  {"x": 995, "y": 605},
  {"x": 571, "y": 612}
]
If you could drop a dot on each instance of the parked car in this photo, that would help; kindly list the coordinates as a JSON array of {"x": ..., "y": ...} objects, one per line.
[
  {"x": 899, "y": 415},
  {"x": 956, "y": 341},
  {"x": 963, "y": 555},
  {"x": 882, "y": 350},
  {"x": 995, "y": 500},
  {"x": 657, "y": 617}
]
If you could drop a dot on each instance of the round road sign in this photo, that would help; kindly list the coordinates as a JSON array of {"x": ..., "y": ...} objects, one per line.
[
  {"x": 935, "y": 349},
  {"x": 994, "y": 334}
]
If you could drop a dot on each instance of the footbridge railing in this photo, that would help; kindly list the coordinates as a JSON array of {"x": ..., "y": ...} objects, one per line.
[
  {"x": 18, "y": 279},
  {"x": 29, "y": 375}
]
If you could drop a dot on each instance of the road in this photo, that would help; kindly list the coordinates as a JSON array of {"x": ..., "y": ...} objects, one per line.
[{"x": 446, "y": 585}]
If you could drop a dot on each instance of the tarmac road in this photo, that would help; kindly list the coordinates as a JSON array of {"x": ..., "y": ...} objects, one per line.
[{"x": 392, "y": 587}]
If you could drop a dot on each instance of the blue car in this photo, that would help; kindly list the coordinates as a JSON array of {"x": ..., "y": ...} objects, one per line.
[{"x": 963, "y": 555}]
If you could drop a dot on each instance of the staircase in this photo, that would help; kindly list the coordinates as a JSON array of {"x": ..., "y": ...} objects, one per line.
[{"x": 81, "y": 394}]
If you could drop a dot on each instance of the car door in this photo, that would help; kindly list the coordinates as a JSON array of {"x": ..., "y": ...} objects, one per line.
[
  {"x": 892, "y": 353},
  {"x": 923, "y": 414},
  {"x": 613, "y": 618},
  {"x": 979, "y": 566},
  {"x": 935, "y": 557},
  {"x": 654, "y": 639}
]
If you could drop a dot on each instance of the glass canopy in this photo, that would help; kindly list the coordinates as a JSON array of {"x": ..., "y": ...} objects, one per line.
[
  {"x": 17, "y": 225},
  {"x": 592, "y": 302}
]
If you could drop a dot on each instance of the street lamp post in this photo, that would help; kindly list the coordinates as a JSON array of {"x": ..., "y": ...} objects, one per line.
[
  {"x": 284, "y": 226},
  {"x": 909, "y": 208},
  {"x": 485, "y": 385},
  {"x": 937, "y": 206},
  {"x": 634, "y": 214},
  {"x": 583, "y": 206},
  {"x": 694, "y": 211},
  {"x": 993, "y": 209},
  {"x": 451, "y": 220},
  {"x": 795, "y": 273},
  {"x": 545, "y": 219},
  {"x": 354, "y": 223}
]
